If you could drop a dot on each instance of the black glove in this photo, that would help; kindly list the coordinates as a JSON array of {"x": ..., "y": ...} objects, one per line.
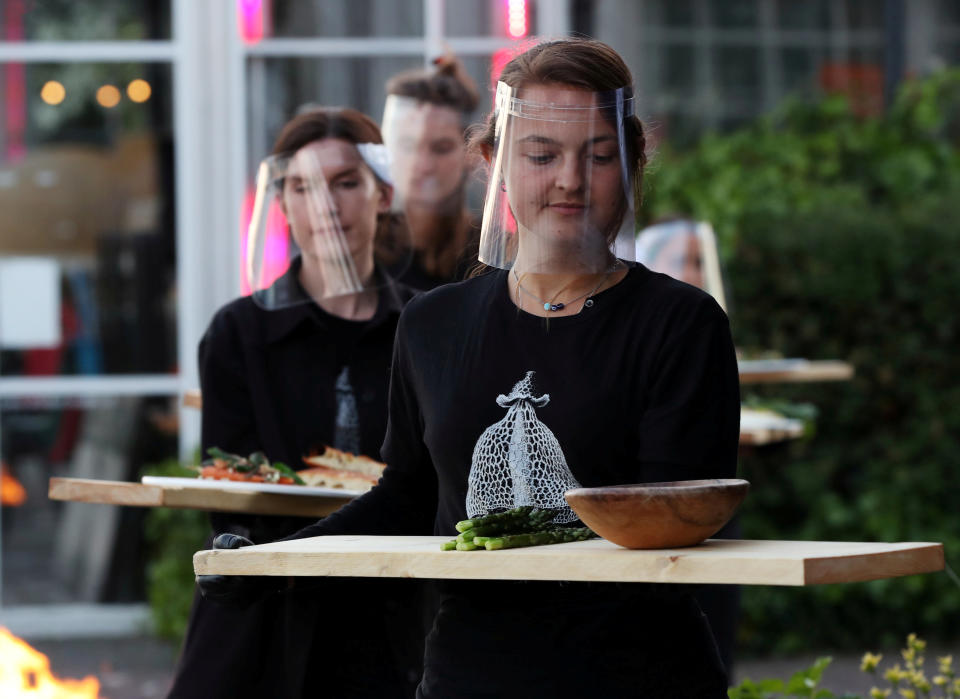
[{"x": 237, "y": 591}]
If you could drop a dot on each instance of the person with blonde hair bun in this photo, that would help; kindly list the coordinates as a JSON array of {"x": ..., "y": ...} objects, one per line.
[{"x": 423, "y": 126}]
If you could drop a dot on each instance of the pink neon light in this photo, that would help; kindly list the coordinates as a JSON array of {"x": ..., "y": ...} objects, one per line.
[
  {"x": 276, "y": 253},
  {"x": 15, "y": 82},
  {"x": 250, "y": 20},
  {"x": 517, "y": 18}
]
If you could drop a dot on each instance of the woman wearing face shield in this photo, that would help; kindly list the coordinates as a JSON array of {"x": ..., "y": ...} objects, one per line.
[
  {"x": 423, "y": 127},
  {"x": 302, "y": 363},
  {"x": 565, "y": 364}
]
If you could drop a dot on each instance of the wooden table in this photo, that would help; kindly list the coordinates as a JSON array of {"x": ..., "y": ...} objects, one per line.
[
  {"x": 714, "y": 561},
  {"x": 759, "y": 427},
  {"x": 140, "y": 495},
  {"x": 793, "y": 370},
  {"x": 193, "y": 399}
]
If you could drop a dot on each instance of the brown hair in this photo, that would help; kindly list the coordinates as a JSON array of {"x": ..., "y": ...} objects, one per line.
[
  {"x": 582, "y": 63},
  {"x": 447, "y": 85},
  {"x": 318, "y": 123}
]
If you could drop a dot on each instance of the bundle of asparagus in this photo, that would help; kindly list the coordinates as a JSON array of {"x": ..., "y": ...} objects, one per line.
[{"x": 521, "y": 526}]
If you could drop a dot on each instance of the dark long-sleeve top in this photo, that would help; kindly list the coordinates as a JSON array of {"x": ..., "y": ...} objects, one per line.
[
  {"x": 640, "y": 386},
  {"x": 268, "y": 379},
  {"x": 269, "y": 383}
]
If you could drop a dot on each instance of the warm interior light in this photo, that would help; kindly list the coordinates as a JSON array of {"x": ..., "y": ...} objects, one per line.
[
  {"x": 139, "y": 90},
  {"x": 25, "y": 672},
  {"x": 52, "y": 92},
  {"x": 108, "y": 96},
  {"x": 12, "y": 494},
  {"x": 517, "y": 18}
]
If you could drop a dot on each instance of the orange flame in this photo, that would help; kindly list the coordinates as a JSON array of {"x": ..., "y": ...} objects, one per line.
[
  {"x": 12, "y": 493},
  {"x": 25, "y": 672}
]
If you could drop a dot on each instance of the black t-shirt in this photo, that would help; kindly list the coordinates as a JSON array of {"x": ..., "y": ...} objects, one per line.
[
  {"x": 640, "y": 386},
  {"x": 273, "y": 380}
]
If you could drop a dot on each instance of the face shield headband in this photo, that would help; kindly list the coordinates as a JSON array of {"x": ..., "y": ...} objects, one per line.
[
  {"x": 563, "y": 173},
  {"x": 316, "y": 209}
]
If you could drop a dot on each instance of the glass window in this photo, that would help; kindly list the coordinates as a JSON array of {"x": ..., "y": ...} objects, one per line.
[
  {"x": 948, "y": 12},
  {"x": 61, "y": 552},
  {"x": 677, "y": 13},
  {"x": 678, "y": 67},
  {"x": 87, "y": 232},
  {"x": 865, "y": 14},
  {"x": 680, "y": 129},
  {"x": 69, "y": 20},
  {"x": 734, "y": 14},
  {"x": 331, "y": 18},
  {"x": 803, "y": 14},
  {"x": 500, "y": 18},
  {"x": 799, "y": 67},
  {"x": 737, "y": 71},
  {"x": 278, "y": 87}
]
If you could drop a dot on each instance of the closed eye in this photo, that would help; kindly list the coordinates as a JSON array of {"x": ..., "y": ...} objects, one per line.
[{"x": 540, "y": 158}]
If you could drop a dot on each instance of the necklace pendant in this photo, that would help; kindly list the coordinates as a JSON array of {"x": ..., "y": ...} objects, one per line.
[
  {"x": 547, "y": 307},
  {"x": 553, "y": 306}
]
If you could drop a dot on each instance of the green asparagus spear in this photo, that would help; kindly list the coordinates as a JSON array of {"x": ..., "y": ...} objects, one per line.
[
  {"x": 466, "y": 546},
  {"x": 550, "y": 536},
  {"x": 515, "y": 515},
  {"x": 449, "y": 545}
]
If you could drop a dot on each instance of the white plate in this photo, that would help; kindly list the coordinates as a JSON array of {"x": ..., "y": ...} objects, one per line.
[
  {"x": 757, "y": 366},
  {"x": 764, "y": 420},
  {"x": 247, "y": 487}
]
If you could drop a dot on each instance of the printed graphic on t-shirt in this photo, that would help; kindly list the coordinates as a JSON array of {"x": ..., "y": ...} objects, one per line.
[
  {"x": 346, "y": 426},
  {"x": 518, "y": 460}
]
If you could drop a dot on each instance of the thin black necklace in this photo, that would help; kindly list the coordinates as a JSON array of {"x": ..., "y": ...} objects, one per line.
[{"x": 548, "y": 306}]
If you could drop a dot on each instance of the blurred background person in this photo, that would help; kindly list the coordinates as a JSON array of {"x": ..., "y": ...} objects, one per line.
[
  {"x": 301, "y": 363},
  {"x": 424, "y": 120}
]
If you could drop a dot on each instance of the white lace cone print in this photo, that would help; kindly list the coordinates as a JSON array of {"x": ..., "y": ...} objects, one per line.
[{"x": 518, "y": 461}]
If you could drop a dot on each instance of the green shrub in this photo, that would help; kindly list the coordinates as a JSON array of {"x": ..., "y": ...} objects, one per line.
[
  {"x": 173, "y": 537},
  {"x": 841, "y": 241}
]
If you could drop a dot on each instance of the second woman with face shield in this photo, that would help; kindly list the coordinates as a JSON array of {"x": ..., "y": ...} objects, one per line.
[
  {"x": 300, "y": 364},
  {"x": 423, "y": 128}
]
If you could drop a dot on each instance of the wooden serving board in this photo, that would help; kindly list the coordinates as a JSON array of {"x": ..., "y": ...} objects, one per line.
[
  {"x": 193, "y": 399},
  {"x": 793, "y": 371},
  {"x": 714, "y": 561},
  {"x": 193, "y": 498},
  {"x": 758, "y": 428}
]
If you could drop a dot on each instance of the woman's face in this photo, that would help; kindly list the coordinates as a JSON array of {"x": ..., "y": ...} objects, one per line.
[
  {"x": 429, "y": 154},
  {"x": 331, "y": 200},
  {"x": 563, "y": 178},
  {"x": 681, "y": 258}
]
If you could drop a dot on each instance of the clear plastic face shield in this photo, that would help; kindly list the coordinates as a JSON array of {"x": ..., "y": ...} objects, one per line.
[
  {"x": 315, "y": 223},
  {"x": 561, "y": 194},
  {"x": 427, "y": 153},
  {"x": 685, "y": 250}
]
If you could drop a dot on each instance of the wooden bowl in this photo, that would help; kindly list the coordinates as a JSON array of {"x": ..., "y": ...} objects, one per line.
[{"x": 659, "y": 515}]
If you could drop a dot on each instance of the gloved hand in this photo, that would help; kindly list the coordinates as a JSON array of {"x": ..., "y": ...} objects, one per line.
[{"x": 237, "y": 591}]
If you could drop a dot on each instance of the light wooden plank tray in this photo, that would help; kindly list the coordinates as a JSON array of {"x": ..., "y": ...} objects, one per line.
[
  {"x": 793, "y": 371},
  {"x": 714, "y": 561},
  {"x": 210, "y": 500}
]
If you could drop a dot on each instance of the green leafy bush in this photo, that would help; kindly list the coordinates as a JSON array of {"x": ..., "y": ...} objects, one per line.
[
  {"x": 841, "y": 241},
  {"x": 173, "y": 537},
  {"x": 909, "y": 680}
]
